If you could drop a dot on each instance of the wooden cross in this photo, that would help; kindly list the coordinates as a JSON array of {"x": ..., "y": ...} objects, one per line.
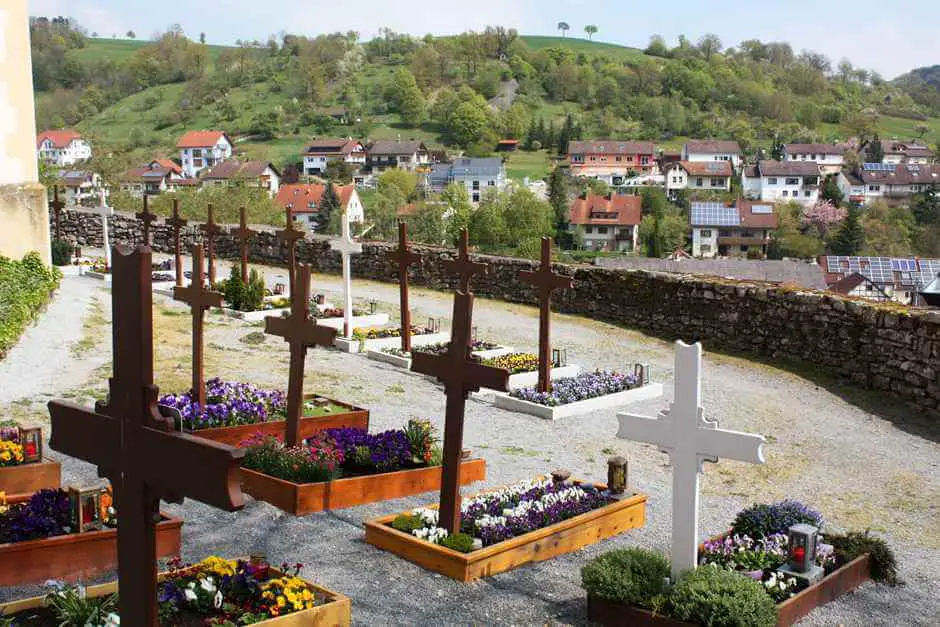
[
  {"x": 460, "y": 375},
  {"x": 300, "y": 332},
  {"x": 545, "y": 281},
  {"x": 105, "y": 212},
  {"x": 136, "y": 448},
  {"x": 57, "y": 206},
  {"x": 244, "y": 235},
  {"x": 404, "y": 258},
  {"x": 289, "y": 236},
  {"x": 177, "y": 223},
  {"x": 200, "y": 300},
  {"x": 347, "y": 247},
  {"x": 211, "y": 229},
  {"x": 690, "y": 440},
  {"x": 146, "y": 217},
  {"x": 462, "y": 266}
]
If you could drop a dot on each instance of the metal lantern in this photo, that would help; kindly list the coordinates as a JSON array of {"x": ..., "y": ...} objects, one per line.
[
  {"x": 372, "y": 304},
  {"x": 617, "y": 475},
  {"x": 434, "y": 324},
  {"x": 559, "y": 357},
  {"x": 801, "y": 547},
  {"x": 31, "y": 441},
  {"x": 642, "y": 373},
  {"x": 278, "y": 289},
  {"x": 85, "y": 508}
]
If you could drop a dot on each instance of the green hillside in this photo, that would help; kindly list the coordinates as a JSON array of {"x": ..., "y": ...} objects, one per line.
[
  {"x": 614, "y": 51},
  {"x": 117, "y": 50}
]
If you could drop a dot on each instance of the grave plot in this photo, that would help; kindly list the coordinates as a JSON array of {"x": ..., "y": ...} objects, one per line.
[
  {"x": 100, "y": 268},
  {"x": 23, "y": 468}
]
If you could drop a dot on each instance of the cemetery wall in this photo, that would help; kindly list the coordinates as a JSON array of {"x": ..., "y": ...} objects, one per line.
[{"x": 876, "y": 346}]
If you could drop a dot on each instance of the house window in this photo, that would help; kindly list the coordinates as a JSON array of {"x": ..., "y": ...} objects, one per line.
[
  {"x": 476, "y": 197},
  {"x": 587, "y": 229},
  {"x": 644, "y": 160},
  {"x": 476, "y": 185},
  {"x": 705, "y": 233},
  {"x": 718, "y": 182},
  {"x": 874, "y": 188},
  {"x": 619, "y": 158},
  {"x": 785, "y": 193},
  {"x": 630, "y": 159},
  {"x": 699, "y": 182},
  {"x": 808, "y": 193},
  {"x": 593, "y": 158},
  {"x": 792, "y": 157},
  {"x": 491, "y": 183},
  {"x": 197, "y": 152},
  {"x": 793, "y": 181},
  {"x": 724, "y": 233},
  {"x": 814, "y": 157},
  {"x": 602, "y": 230},
  {"x": 772, "y": 181},
  {"x": 744, "y": 249},
  {"x": 577, "y": 158},
  {"x": 706, "y": 248}
]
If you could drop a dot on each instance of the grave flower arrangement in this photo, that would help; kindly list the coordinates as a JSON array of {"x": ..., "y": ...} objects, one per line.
[
  {"x": 11, "y": 453},
  {"x": 228, "y": 404},
  {"x": 441, "y": 347},
  {"x": 377, "y": 333},
  {"x": 334, "y": 312},
  {"x": 584, "y": 386},
  {"x": 515, "y": 363},
  {"x": 47, "y": 513}
]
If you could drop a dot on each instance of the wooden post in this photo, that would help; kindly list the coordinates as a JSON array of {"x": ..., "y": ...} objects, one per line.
[
  {"x": 57, "y": 206},
  {"x": 244, "y": 235},
  {"x": 177, "y": 223},
  {"x": 404, "y": 258},
  {"x": 210, "y": 229},
  {"x": 289, "y": 236},
  {"x": 146, "y": 217}
]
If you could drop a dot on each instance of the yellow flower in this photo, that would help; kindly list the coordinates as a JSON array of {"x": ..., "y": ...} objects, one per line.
[{"x": 281, "y": 601}]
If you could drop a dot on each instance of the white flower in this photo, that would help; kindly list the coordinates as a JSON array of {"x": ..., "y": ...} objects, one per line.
[
  {"x": 207, "y": 585},
  {"x": 189, "y": 594},
  {"x": 112, "y": 620},
  {"x": 217, "y": 601}
]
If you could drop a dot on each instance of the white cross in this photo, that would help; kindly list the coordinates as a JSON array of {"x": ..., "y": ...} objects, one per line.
[
  {"x": 104, "y": 211},
  {"x": 689, "y": 439},
  {"x": 346, "y": 246}
]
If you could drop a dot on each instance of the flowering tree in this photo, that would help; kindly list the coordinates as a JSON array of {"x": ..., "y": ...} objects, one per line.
[{"x": 822, "y": 216}]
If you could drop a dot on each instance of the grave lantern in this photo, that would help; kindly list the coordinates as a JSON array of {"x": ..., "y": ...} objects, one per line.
[
  {"x": 372, "y": 304},
  {"x": 642, "y": 373},
  {"x": 801, "y": 554},
  {"x": 559, "y": 357},
  {"x": 617, "y": 475},
  {"x": 31, "y": 441},
  {"x": 434, "y": 324},
  {"x": 319, "y": 299},
  {"x": 278, "y": 289},
  {"x": 106, "y": 511},
  {"x": 85, "y": 508}
]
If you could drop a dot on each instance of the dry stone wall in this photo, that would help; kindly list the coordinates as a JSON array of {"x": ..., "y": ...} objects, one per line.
[{"x": 879, "y": 347}]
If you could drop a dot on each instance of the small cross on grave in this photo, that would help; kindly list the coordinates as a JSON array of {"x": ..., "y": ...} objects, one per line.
[
  {"x": 147, "y": 218},
  {"x": 177, "y": 223},
  {"x": 463, "y": 266},
  {"x": 136, "y": 448},
  {"x": 210, "y": 229},
  {"x": 105, "y": 212},
  {"x": 403, "y": 257},
  {"x": 300, "y": 332},
  {"x": 289, "y": 236},
  {"x": 347, "y": 247},
  {"x": 460, "y": 375},
  {"x": 545, "y": 281},
  {"x": 57, "y": 206},
  {"x": 244, "y": 235},
  {"x": 200, "y": 300},
  {"x": 689, "y": 439}
]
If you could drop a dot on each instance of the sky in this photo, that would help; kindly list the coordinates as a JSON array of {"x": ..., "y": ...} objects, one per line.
[{"x": 870, "y": 34}]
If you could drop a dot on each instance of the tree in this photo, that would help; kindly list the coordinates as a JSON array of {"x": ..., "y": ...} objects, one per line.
[
  {"x": 469, "y": 122},
  {"x": 925, "y": 206},
  {"x": 427, "y": 224},
  {"x": 514, "y": 121},
  {"x": 709, "y": 45},
  {"x": 657, "y": 47},
  {"x": 131, "y": 34},
  {"x": 329, "y": 204},
  {"x": 455, "y": 195},
  {"x": 776, "y": 151},
  {"x": 590, "y": 29},
  {"x": 921, "y": 129},
  {"x": 875, "y": 153},
  {"x": 487, "y": 226},
  {"x": 558, "y": 198},
  {"x": 202, "y": 38},
  {"x": 850, "y": 238},
  {"x": 888, "y": 231},
  {"x": 861, "y": 124},
  {"x": 563, "y": 27},
  {"x": 845, "y": 70},
  {"x": 831, "y": 191},
  {"x": 403, "y": 180},
  {"x": 339, "y": 171}
]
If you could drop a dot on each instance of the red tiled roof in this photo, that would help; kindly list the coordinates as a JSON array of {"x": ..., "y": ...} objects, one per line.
[
  {"x": 752, "y": 220},
  {"x": 610, "y": 147},
  {"x": 713, "y": 145},
  {"x": 610, "y": 210},
  {"x": 846, "y": 285},
  {"x": 168, "y": 164},
  {"x": 705, "y": 168},
  {"x": 201, "y": 139},
  {"x": 60, "y": 139},
  {"x": 299, "y": 196}
]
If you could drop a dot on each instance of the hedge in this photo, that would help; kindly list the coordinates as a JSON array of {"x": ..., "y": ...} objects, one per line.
[{"x": 25, "y": 287}]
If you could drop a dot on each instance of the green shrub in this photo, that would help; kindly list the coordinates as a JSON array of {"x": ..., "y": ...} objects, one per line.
[
  {"x": 25, "y": 286},
  {"x": 61, "y": 252},
  {"x": 632, "y": 576},
  {"x": 72, "y": 607},
  {"x": 458, "y": 542},
  {"x": 761, "y": 519},
  {"x": 407, "y": 523},
  {"x": 714, "y": 597},
  {"x": 243, "y": 297},
  {"x": 884, "y": 567}
]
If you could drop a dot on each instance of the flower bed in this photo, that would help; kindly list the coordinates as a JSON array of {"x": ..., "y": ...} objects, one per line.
[
  {"x": 236, "y": 411},
  {"x": 737, "y": 577},
  {"x": 25, "y": 288},
  {"x": 396, "y": 356},
  {"x": 377, "y": 338},
  {"x": 214, "y": 591},
  {"x": 345, "y": 467},
  {"x": 17, "y": 476},
  {"x": 503, "y": 529}
]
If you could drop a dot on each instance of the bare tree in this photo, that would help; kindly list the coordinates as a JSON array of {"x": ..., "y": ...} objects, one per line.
[{"x": 709, "y": 45}]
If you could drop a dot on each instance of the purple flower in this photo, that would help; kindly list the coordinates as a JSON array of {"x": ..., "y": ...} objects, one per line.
[
  {"x": 584, "y": 386},
  {"x": 228, "y": 404}
]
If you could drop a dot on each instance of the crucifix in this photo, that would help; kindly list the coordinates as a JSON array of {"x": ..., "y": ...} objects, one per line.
[
  {"x": 300, "y": 332},
  {"x": 545, "y": 281},
  {"x": 289, "y": 236},
  {"x": 57, "y": 206},
  {"x": 146, "y": 217},
  {"x": 200, "y": 300},
  {"x": 177, "y": 223},
  {"x": 404, "y": 257},
  {"x": 347, "y": 247},
  {"x": 105, "y": 212},
  {"x": 460, "y": 375},
  {"x": 690, "y": 440},
  {"x": 244, "y": 235},
  {"x": 210, "y": 229},
  {"x": 136, "y": 448}
]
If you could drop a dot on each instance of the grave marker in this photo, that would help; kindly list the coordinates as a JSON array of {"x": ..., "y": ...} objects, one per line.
[
  {"x": 690, "y": 440},
  {"x": 289, "y": 236},
  {"x": 56, "y": 206},
  {"x": 146, "y": 217},
  {"x": 210, "y": 229},
  {"x": 403, "y": 257},
  {"x": 244, "y": 235},
  {"x": 105, "y": 212},
  {"x": 347, "y": 247},
  {"x": 177, "y": 223},
  {"x": 136, "y": 448}
]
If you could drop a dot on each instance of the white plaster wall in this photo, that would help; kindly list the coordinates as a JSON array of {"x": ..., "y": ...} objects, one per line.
[{"x": 17, "y": 119}]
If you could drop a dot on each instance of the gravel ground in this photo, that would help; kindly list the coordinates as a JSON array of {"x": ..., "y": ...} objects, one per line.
[{"x": 863, "y": 462}]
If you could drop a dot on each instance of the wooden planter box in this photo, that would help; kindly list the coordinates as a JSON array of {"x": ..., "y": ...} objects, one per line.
[
  {"x": 75, "y": 556},
  {"x": 789, "y": 612},
  {"x": 233, "y": 436},
  {"x": 335, "y": 612},
  {"x": 28, "y": 478},
  {"x": 562, "y": 537},
  {"x": 306, "y": 498}
]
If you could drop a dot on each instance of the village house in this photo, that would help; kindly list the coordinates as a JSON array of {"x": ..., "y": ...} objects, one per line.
[
  {"x": 82, "y": 187},
  {"x": 781, "y": 181},
  {"x": 739, "y": 230},
  {"x": 62, "y": 148},
  {"x": 609, "y": 223},
  {"x": 200, "y": 150},
  {"x": 384, "y": 154},
  {"x": 477, "y": 175},
  {"x": 611, "y": 160},
  {"x": 258, "y": 174},
  {"x": 156, "y": 177},
  {"x": 698, "y": 176},
  {"x": 321, "y": 151},
  {"x": 896, "y": 151},
  {"x": 303, "y": 199},
  {"x": 713, "y": 150},
  {"x": 829, "y": 157},
  {"x": 898, "y": 279},
  {"x": 887, "y": 181}
]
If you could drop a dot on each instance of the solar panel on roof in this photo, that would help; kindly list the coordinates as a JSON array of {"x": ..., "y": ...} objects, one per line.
[
  {"x": 763, "y": 209},
  {"x": 713, "y": 214}
]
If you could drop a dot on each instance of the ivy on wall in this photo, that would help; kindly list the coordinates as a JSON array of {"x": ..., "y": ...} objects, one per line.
[{"x": 25, "y": 287}]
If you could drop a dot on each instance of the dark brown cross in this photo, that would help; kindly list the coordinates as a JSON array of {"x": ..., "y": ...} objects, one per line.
[
  {"x": 136, "y": 448},
  {"x": 146, "y": 217},
  {"x": 545, "y": 281},
  {"x": 57, "y": 206},
  {"x": 210, "y": 229},
  {"x": 289, "y": 236},
  {"x": 462, "y": 266},
  {"x": 300, "y": 332},
  {"x": 404, "y": 258},
  {"x": 460, "y": 375},
  {"x": 177, "y": 223},
  {"x": 244, "y": 235},
  {"x": 200, "y": 300}
]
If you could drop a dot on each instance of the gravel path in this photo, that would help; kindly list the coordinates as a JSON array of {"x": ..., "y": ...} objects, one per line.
[{"x": 863, "y": 464}]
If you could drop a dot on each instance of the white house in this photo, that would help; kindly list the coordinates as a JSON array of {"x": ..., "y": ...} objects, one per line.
[
  {"x": 203, "y": 149},
  {"x": 62, "y": 148},
  {"x": 477, "y": 175},
  {"x": 895, "y": 151},
  {"x": 719, "y": 230},
  {"x": 698, "y": 176},
  {"x": 829, "y": 157},
  {"x": 610, "y": 222},
  {"x": 781, "y": 181},
  {"x": 888, "y": 181},
  {"x": 260, "y": 174},
  {"x": 713, "y": 150},
  {"x": 383, "y": 154},
  {"x": 304, "y": 201},
  {"x": 81, "y": 186},
  {"x": 321, "y": 151}
]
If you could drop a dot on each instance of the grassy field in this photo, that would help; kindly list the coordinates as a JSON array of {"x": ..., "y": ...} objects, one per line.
[
  {"x": 521, "y": 164},
  {"x": 891, "y": 128},
  {"x": 616, "y": 51},
  {"x": 120, "y": 49}
]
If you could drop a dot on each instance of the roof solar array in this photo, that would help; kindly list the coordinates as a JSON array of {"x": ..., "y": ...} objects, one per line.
[
  {"x": 713, "y": 214},
  {"x": 713, "y": 166},
  {"x": 887, "y": 270},
  {"x": 878, "y": 167},
  {"x": 764, "y": 209}
]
